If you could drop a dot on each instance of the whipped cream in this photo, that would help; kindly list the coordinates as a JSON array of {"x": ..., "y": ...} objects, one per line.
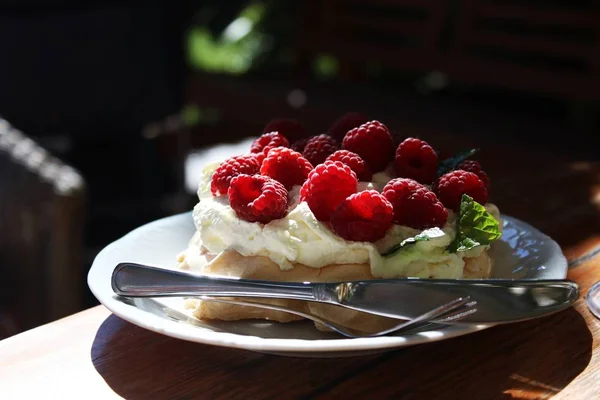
[{"x": 300, "y": 238}]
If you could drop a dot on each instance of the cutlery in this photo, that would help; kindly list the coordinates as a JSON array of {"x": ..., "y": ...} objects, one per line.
[
  {"x": 383, "y": 326},
  {"x": 452, "y": 311},
  {"x": 498, "y": 300}
]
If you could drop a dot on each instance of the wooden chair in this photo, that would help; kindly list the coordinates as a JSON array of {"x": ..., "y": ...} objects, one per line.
[{"x": 42, "y": 212}]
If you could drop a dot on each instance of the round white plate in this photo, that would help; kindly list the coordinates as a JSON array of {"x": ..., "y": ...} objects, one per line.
[{"x": 522, "y": 252}]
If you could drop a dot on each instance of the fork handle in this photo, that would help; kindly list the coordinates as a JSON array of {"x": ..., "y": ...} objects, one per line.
[{"x": 136, "y": 280}]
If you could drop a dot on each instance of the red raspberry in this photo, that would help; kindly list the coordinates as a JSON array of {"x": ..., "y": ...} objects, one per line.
[
  {"x": 414, "y": 204},
  {"x": 346, "y": 123},
  {"x": 415, "y": 159},
  {"x": 266, "y": 142},
  {"x": 290, "y": 128},
  {"x": 353, "y": 160},
  {"x": 475, "y": 167},
  {"x": 363, "y": 217},
  {"x": 319, "y": 147},
  {"x": 326, "y": 187},
  {"x": 451, "y": 186},
  {"x": 257, "y": 198},
  {"x": 286, "y": 166},
  {"x": 373, "y": 142},
  {"x": 299, "y": 145},
  {"x": 245, "y": 164}
]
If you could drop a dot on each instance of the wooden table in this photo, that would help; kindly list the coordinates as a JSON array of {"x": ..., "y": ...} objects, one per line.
[{"x": 96, "y": 354}]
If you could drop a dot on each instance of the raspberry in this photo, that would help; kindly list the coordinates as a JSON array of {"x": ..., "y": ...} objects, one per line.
[
  {"x": 299, "y": 145},
  {"x": 290, "y": 128},
  {"x": 363, "y": 217},
  {"x": 319, "y": 147},
  {"x": 416, "y": 159},
  {"x": 286, "y": 166},
  {"x": 451, "y": 186},
  {"x": 326, "y": 187},
  {"x": 474, "y": 167},
  {"x": 356, "y": 164},
  {"x": 414, "y": 204},
  {"x": 245, "y": 164},
  {"x": 373, "y": 142},
  {"x": 266, "y": 142},
  {"x": 346, "y": 123},
  {"x": 257, "y": 198}
]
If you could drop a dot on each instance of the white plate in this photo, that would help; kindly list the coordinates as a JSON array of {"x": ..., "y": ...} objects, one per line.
[{"x": 523, "y": 252}]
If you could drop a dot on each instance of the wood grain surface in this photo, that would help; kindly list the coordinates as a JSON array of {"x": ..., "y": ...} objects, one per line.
[{"x": 97, "y": 355}]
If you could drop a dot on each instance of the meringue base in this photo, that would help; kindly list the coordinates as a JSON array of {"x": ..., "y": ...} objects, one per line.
[{"x": 232, "y": 264}]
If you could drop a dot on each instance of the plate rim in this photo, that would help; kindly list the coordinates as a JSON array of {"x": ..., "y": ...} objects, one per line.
[{"x": 196, "y": 334}]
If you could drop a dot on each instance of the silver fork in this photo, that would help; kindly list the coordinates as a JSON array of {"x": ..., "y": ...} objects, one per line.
[{"x": 450, "y": 312}]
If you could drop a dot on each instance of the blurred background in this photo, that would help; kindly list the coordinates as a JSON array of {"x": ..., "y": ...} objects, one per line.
[{"x": 106, "y": 107}]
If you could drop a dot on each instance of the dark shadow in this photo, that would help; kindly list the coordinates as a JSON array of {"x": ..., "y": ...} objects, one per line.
[
  {"x": 534, "y": 359},
  {"x": 140, "y": 364},
  {"x": 542, "y": 356}
]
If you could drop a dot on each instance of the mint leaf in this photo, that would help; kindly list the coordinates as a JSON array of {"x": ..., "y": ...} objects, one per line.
[
  {"x": 475, "y": 226},
  {"x": 451, "y": 163},
  {"x": 426, "y": 235}
]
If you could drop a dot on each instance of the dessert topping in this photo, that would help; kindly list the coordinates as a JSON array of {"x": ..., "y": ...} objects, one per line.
[
  {"x": 299, "y": 145},
  {"x": 328, "y": 184},
  {"x": 474, "y": 226},
  {"x": 363, "y": 217},
  {"x": 426, "y": 235},
  {"x": 244, "y": 164},
  {"x": 451, "y": 187},
  {"x": 329, "y": 179},
  {"x": 286, "y": 166},
  {"x": 475, "y": 167},
  {"x": 266, "y": 142},
  {"x": 416, "y": 159},
  {"x": 318, "y": 148},
  {"x": 257, "y": 198},
  {"x": 373, "y": 142},
  {"x": 353, "y": 160},
  {"x": 414, "y": 204}
]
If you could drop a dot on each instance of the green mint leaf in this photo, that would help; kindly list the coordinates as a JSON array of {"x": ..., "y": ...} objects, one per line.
[
  {"x": 426, "y": 235},
  {"x": 451, "y": 163},
  {"x": 475, "y": 226}
]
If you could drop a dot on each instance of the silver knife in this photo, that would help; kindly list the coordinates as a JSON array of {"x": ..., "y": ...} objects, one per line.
[{"x": 498, "y": 300}]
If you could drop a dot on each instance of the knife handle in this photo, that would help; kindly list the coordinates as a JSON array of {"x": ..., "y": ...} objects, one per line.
[{"x": 136, "y": 280}]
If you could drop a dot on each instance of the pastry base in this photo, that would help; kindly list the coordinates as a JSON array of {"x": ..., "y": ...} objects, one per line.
[{"x": 232, "y": 264}]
